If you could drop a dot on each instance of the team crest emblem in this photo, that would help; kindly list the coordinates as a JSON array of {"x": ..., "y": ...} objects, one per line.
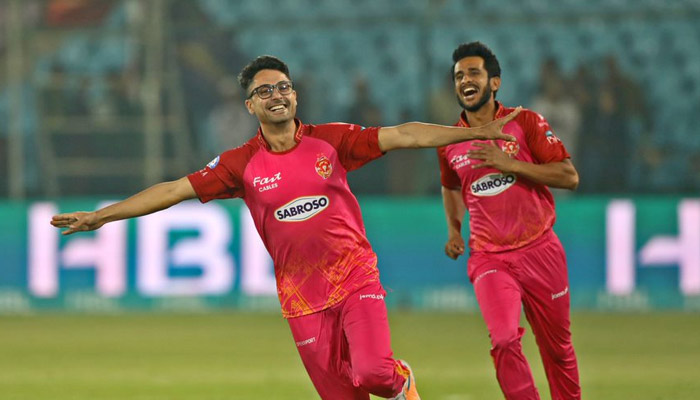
[
  {"x": 323, "y": 166},
  {"x": 511, "y": 148}
]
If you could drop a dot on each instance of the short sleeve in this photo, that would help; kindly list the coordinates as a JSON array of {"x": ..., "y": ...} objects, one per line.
[
  {"x": 356, "y": 146},
  {"x": 448, "y": 177},
  {"x": 545, "y": 146},
  {"x": 220, "y": 179}
]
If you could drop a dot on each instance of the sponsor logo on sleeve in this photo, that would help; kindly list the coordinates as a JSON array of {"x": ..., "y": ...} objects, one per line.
[
  {"x": 323, "y": 166},
  {"x": 551, "y": 137},
  {"x": 492, "y": 184},
  {"x": 213, "y": 163},
  {"x": 301, "y": 208}
]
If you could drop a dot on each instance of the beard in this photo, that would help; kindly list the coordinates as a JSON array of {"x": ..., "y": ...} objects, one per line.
[{"x": 480, "y": 103}]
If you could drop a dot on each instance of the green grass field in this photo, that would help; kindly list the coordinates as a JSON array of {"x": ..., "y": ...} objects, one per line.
[{"x": 252, "y": 356}]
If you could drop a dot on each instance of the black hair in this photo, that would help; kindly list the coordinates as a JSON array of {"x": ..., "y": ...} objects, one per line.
[
  {"x": 478, "y": 49},
  {"x": 245, "y": 78}
]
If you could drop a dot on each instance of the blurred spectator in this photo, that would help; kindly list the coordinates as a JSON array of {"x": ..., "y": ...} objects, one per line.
[
  {"x": 229, "y": 124},
  {"x": 28, "y": 128},
  {"x": 364, "y": 111},
  {"x": 3, "y": 30},
  {"x": 583, "y": 88},
  {"x": 442, "y": 107},
  {"x": 72, "y": 13},
  {"x": 58, "y": 101},
  {"x": 604, "y": 153},
  {"x": 310, "y": 108},
  {"x": 78, "y": 99},
  {"x": 617, "y": 152},
  {"x": 694, "y": 173},
  {"x": 407, "y": 172},
  {"x": 646, "y": 155},
  {"x": 118, "y": 100},
  {"x": 654, "y": 141},
  {"x": 558, "y": 105},
  {"x": 630, "y": 94},
  {"x": 4, "y": 179},
  {"x": 54, "y": 94},
  {"x": 372, "y": 178},
  {"x": 205, "y": 55}
]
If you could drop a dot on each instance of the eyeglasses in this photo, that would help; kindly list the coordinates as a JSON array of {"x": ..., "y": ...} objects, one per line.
[{"x": 265, "y": 91}]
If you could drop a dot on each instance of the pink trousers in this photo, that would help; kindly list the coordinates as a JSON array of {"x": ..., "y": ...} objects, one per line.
[
  {"x": 534, "y": 277},
  {"x": 346, "y": 349}
]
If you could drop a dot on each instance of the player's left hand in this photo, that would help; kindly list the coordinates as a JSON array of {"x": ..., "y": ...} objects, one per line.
[
  {"x": 454, "y": 247},
  {"x": 492, "y": 156}
]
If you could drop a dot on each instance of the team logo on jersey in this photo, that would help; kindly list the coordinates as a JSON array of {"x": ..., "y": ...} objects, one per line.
[
  {"x": 323, "y": 166},
  {"x": 511, "y": 148},
  {"x": 551, "y": 137},
  {"x": 301, "y": 208},
  {"x": 492, "y": 184},
  {"x": 213, "y": 163}
]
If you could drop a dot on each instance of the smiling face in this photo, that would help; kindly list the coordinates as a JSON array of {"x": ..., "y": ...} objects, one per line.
[
  {"x": 276, "y": 109},
  {"x": 473, "y": 86}
]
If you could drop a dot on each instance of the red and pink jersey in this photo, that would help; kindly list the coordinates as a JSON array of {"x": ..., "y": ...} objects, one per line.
[
  {"x": 505, "y": 211},
  {"x": 303, "y": 210}
]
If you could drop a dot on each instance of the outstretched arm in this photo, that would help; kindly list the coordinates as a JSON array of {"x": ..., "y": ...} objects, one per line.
[
  {"x": 418, "y": 134},
  {"x": 560, "y": 174},
  {"x": 454, "y": 212},
  {"x": 155, "y": 198}
]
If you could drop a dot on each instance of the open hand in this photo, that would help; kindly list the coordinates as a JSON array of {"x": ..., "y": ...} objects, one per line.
[
  {"x": 491, "y": 155},
  {"x": 494, "y": 129},
  {"x": 76, "y": 222}
]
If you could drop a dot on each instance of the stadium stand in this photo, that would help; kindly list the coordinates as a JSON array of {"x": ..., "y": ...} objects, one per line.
[{"x": 402, "y": 48}]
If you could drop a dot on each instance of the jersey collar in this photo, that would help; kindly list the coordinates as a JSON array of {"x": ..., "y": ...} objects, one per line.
[
  {"x": 500, "y": 112},
  {"x": 301, "y": 130}
]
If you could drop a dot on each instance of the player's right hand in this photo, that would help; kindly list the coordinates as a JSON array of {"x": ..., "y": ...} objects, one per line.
[
  {"x": 454, "y": 247},
  {"x": 76, "y": 222},
  {"x": 494, "y": 129}
]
